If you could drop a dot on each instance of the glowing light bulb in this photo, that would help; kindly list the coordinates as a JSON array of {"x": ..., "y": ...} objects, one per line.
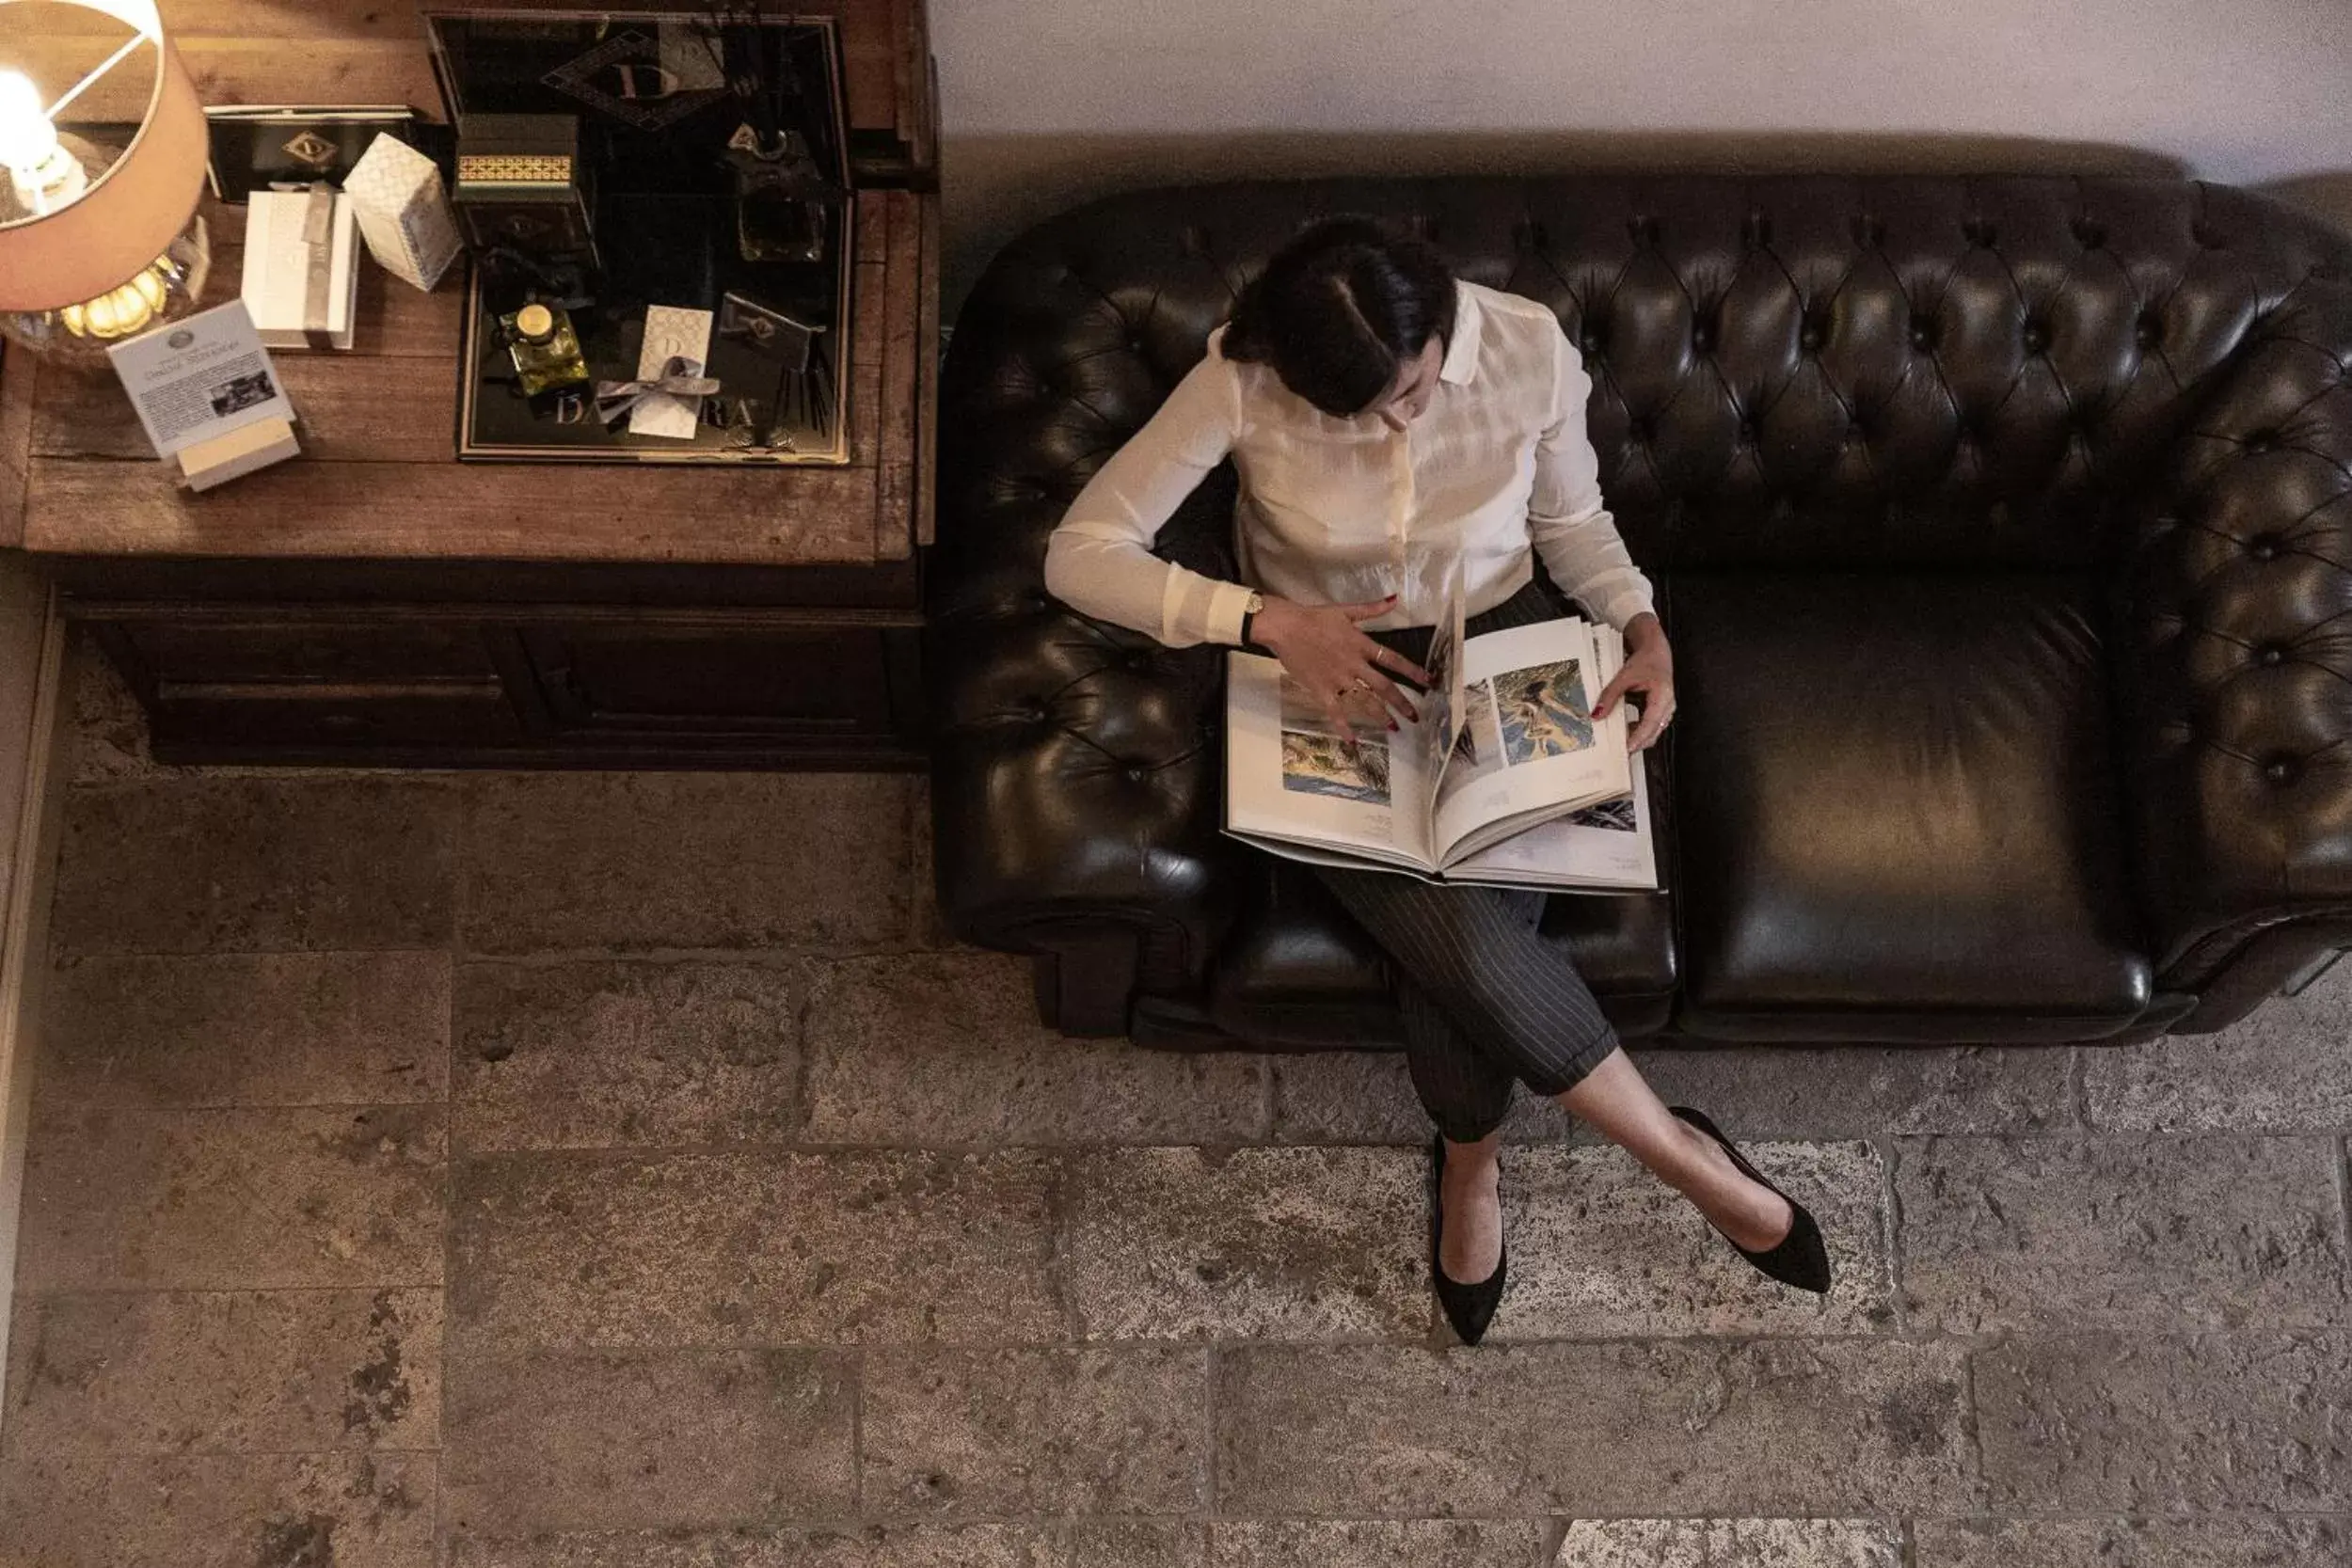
[{"x": 26, "y": 138}]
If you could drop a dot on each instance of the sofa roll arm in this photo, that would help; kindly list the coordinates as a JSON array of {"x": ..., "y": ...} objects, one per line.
[
  {"x": 1075, "y": 797},
  {"x": 2236, "y": 674}
]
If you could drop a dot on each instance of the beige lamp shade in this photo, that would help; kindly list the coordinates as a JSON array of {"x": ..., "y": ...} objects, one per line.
[{"x": 132, "y": 210}]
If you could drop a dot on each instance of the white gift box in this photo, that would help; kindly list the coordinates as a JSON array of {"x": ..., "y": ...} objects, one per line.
[
  {"x": 404, "y": 212},
  {"x": 302, "y": 268}
]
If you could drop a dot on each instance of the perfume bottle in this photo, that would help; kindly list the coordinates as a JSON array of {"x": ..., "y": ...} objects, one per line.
[
  {"x": 782, "y": 202},
  {"x": 545, "y": 348}
]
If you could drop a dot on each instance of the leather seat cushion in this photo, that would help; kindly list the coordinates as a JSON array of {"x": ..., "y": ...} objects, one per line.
[
  {"x": 1297, "y": 973},
  {"x": 1898, "y": 810}
]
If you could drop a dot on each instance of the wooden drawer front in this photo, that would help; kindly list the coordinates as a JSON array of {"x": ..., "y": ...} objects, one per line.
[
  {"x": 755, "y": 682},
  {"x": 321, "y": 717},
  {"x": 301, "y": 650}
]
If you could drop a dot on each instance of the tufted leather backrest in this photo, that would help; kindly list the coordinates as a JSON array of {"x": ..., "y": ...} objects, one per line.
[{"x": 1879, "y": 371}]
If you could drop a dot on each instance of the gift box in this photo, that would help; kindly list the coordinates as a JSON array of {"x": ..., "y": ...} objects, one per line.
[
  {"x": 302, "y": 267},
  {"x": 395, "y": 192}
]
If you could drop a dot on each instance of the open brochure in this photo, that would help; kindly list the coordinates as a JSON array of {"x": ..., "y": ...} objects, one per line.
[{"x": 1507, "y": 777}]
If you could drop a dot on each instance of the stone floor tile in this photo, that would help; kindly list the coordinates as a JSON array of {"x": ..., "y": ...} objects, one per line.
[
  {"x": 1627, "y": 1427},
  {"x": 170, "y": 1372},
  {"x": 108, "y": 739},
  {"x": 1830, "y": 1093},
  {"x": 604, "y": 1053},
  {"x": 216, "y": 1511},
  {"x": 1268, "y": 1244},
  {"x": 1601, "y": 1248},
  {"x": 247, "y": 1029},
  {"x": 2237, "y": 1540},
  {"x": 656, "y": 1440},
  {"x": 1376, "y": 1544},
  {"x": 1746, "y": 1542},
  {"x": 946, "y": 1050},
  {"x": 1133, "y": 1544},
  {"x": 1346, "y": 1097},
  {"x": 852, "y": 1545},
  {"x": 561, "y": 862},
  {"x": 751, "y": 1248},
  {"x": 234, "y": 1199},
  {"x": 2143, "y": 1424},
  {"x": 949, "y": 1432},
  {"x": 193, "y": 866},
  {"x": 1366, "y": 1096},
  {"x": 2126, "y": 1232},
  {"x": 2287, "y": 1067}
]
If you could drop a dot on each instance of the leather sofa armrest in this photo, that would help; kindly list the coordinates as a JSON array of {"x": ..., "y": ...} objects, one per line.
[
  {"x": 1076, "y": 772},
  {"x": 2237, "y": 668},
  {"x": 1076, "y": 802}
]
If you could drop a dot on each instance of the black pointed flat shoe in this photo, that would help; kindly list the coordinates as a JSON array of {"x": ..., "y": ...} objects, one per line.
[
  {"x": 1799, "y": 1259},
  {"x": 1469, "y": 1307}
]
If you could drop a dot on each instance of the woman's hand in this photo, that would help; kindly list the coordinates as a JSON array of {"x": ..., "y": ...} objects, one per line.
[
  {"x": 1325, "y": 649},
  {"x": 1648, "y": 671}
]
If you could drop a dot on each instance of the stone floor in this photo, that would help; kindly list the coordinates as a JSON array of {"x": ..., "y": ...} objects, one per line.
[{"x": 607, "y": 1171}]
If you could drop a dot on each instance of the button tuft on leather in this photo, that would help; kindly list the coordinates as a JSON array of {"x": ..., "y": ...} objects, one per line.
[
  {"x": 2090, "y": 235},
  {"x": 1812, "y": 334},
  {"x": 1643, "y": 230},
  {"x": 2271, "y": 654},
  {"x": 1703, "y": 334},
  {"x": 1748, "y": 433},
  {"x": 1923, "y": 332},
  {"x": 2263, "y": 546},
  {"x": 1643, "y": 432},
  {"x": 1136, "y": 773},
  {"x": 2282, "y": 770},
  {"x": 1870, "y": 232},
  {"x": 2149, "y": 331},
  {"x": 2036, "y": 336},
  {"x": 2260, "y": 440}
]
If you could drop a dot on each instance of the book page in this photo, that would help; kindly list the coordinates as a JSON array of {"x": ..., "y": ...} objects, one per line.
[
  {"x": 1289, "y": 774},
  {"x": 1528, "y": 739},
  {"x": 1441, "y": 705},
  {"x": 1605, "y": 845}
]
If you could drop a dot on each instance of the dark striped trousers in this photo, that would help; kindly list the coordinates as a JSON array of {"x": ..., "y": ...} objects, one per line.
[{"x": 1486, "y": 1001}]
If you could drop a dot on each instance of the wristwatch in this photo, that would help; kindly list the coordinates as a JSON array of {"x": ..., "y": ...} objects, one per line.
[{"x": 1249, "y": 609}]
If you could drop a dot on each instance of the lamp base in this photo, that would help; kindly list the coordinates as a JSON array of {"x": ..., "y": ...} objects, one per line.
[{"x": 167, "y": 289}]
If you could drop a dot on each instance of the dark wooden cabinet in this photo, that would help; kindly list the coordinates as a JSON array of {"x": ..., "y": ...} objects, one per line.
[
  {"x": 375, "y": 602},
  {"x": 523, "y": 684}
]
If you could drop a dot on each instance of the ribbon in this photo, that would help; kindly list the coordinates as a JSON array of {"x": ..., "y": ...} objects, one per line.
[
  {"x": 318, "y": 233},
  {"x": 680, "y": 377}
]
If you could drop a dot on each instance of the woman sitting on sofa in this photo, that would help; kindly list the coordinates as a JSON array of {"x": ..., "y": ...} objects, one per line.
[{"x": 1379, "y": 411}]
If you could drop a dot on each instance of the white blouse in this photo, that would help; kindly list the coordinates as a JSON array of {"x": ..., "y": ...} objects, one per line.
[{"x": 1336, "y": 511}]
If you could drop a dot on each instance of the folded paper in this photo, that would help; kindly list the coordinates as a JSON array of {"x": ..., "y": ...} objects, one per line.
[{"x": 673, "y": 335}]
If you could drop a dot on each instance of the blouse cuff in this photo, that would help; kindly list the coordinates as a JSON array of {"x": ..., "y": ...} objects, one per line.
[
  {"x": 1227, "y": 607},
  {"x": 1627, "y": 604}
]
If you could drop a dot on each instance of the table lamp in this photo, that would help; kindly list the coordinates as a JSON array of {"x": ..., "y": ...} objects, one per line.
[{"x": 97, "y": 243}]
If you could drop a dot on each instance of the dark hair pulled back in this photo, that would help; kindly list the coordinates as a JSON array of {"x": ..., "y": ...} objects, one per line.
[{"x": 1338, "y": 311}]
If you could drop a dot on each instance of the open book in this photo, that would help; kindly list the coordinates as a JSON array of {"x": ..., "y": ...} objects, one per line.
[{"x": 1507, "y": 777}]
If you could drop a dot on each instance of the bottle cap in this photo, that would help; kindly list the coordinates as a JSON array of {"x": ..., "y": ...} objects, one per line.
[{"x": 534, "y": 321}]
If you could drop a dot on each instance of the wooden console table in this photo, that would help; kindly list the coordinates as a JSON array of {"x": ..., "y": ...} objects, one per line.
[{"x": 376, "y": 602}]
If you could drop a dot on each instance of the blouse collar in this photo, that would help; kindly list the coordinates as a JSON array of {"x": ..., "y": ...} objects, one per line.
[{"x": 1461, "y": 351}]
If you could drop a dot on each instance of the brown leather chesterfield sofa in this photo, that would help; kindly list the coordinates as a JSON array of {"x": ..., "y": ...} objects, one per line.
[{"x": 2003, "y": 527}]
